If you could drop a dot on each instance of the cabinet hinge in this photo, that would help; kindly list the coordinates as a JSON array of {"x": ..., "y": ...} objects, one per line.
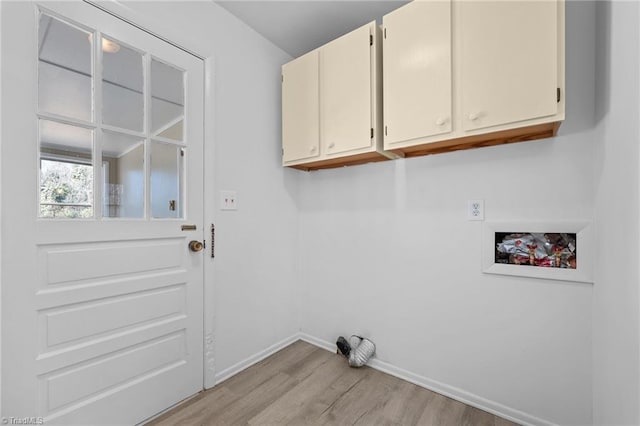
[
  {"x": 372, "y": 133},
  {"x": 558, "y": 95},
  {"x": 370, "y": 40},
  {"x": 385, "y": 33},
  {"x": 385, "y": 131}
]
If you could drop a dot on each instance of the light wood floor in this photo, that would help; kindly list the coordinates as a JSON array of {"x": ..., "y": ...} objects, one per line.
[{"x": 306, "y": 385}]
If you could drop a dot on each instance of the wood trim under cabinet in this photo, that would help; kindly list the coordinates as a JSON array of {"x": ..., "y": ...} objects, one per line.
[
  {"x": 521, "y": 134},
  {"x": 331, "y": 163}
]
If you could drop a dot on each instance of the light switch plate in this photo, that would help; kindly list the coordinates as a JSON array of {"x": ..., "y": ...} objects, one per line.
[
  {"x": 228, "y": 200},
  {"x": 475, "y": 210}
]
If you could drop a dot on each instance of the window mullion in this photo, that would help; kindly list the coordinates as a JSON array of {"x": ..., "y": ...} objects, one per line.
[
  {"x": 147, "y": 132},
  {"x": 98, "y": 180}
]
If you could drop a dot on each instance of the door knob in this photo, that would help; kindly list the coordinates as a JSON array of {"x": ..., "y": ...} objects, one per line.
[{"x": 195, "y": 246}]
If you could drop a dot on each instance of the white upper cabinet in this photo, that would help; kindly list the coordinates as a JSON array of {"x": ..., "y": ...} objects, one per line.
[
  {"x": 508, "y": 61},
  {"x": 345, "y": 72},
  {"x": 300, "y": 108},
  {"x": 417, "y": 71},
  {"x": 331, "y": 112},
  {"x": 461, "y": 74}
]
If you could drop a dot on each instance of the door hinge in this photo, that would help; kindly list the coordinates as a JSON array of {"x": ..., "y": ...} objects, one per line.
[
  {"x": 372, "y": 133},
  {"x": 370, "y": 40},
  {"x": 558, "y": 95}
]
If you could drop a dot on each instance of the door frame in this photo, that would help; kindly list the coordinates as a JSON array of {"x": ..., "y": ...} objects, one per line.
[{"x": 155, "y": 28}]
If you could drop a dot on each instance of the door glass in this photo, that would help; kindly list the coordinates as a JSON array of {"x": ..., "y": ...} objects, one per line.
[
  {"x": 122, "y": 86},
  {"x": 123, "y": 175},
  {"x": 167, "y": 101},
  {"x": 142, "y": 114},
  {"x": 66, "y": 170},
  {"x": 167, "y": 168},
  {"x": 64, "y": 69}
]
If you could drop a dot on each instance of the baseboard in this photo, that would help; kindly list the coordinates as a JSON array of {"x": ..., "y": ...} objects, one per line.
[
  {"x": 248, "y": 362},
  {"x": 441, "y": 388}
]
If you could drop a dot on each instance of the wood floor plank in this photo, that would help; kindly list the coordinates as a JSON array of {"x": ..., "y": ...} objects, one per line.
[
  {"x": 499, "y": 421},
  {"x": 442, "y": 411},
  {"x": 347, "y": 379},
  {"x": 286, "y": 408},
  {"x": 405, "y": 405},
  {"x": 198, "y": 409},
  {"x": 475, "y": 417},
  {"x": 364, "y": 401},
  {"x": 254, "y": 402},
  {"x": 304, "y": 385}
]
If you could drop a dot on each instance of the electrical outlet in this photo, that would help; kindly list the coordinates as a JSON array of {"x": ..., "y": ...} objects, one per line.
[
  {"x": 475, "y": 210},
  {"x": 228, "y": 200}
]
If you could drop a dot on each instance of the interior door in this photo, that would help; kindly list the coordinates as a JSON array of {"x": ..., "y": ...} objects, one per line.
[{"x": 102, "y": 180}]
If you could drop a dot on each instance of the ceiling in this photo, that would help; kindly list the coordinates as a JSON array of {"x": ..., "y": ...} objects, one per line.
[{"x": 299, "y": 26}]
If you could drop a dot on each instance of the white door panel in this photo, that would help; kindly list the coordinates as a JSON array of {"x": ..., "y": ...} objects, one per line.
[{"x": 102, "y": 316}]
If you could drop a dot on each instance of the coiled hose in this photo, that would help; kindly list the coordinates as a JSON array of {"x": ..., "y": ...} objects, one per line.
[{"x": 358, "y": 349}]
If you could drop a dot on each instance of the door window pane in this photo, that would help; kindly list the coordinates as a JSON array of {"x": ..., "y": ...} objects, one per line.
[
  {"x": 167, "y": 101},
  {"x": 123, "y": 175},
  {"x": 167, "y": 168},
  {"x": 66, "y": 171},
  {"x": 64, "y": 69},
  {"x": 122, "y": 86}
]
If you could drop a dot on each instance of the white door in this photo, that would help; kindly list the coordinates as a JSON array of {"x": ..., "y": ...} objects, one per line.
[{"x": 102, "y": 165}]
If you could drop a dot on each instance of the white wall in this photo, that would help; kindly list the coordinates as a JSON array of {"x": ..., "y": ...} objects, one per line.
[
  {"x": 255, "y": 265},
  {"x": 616, "y": 331},
  {"x": 386, "y": 251}
]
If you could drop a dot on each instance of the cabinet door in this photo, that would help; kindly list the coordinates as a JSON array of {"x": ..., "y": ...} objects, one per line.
[
  {"x": 417, "y": 71},
  {"x": 508, "y": 61},
  {"x": 300, "y": 108},
  {"x": 345, "y": 76}
]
